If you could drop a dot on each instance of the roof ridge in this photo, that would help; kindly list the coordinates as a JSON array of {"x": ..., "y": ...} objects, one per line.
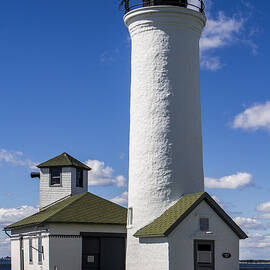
[{"x": 68, "y": 204}]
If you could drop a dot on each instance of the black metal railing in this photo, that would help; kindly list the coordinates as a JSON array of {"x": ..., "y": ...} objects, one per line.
[{"x": 190, "y": 4}]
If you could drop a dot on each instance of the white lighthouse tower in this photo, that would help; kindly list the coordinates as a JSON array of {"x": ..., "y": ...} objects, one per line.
[{"x": 166, "y": 166}]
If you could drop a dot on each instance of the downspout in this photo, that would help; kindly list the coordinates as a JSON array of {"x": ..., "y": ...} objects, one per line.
[{"x": 7, "y": 233}]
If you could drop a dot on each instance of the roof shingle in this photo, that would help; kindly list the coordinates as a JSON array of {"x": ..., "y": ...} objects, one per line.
[
  {"x": 169, "y": 220},
  {"x": 81, "y": 208},
  {"x": 63, "y": 160}
]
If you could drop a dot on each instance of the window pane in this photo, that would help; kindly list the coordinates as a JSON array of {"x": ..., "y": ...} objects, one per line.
[
  {"x": 130, "y": 216},
  {"x": 204, "y": 247},
  {"x": 204, "y": 224},
  {"x": 56, "y": 172},
  {"x": 30, "y": 251},
  {"x": 79, "y": 177},
  {"x": 55, "y": 176},
  {"x": 40, "y": 250}
]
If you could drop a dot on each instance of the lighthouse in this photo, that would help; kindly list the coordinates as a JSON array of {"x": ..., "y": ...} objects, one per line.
[{"x": 172, "y": 222}]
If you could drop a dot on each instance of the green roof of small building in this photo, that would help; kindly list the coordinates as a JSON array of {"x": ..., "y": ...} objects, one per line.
[
  {"x": 63, "y": 160},
  {"x": 171, "y": 218},
  {"x": 81, "y": 208}
]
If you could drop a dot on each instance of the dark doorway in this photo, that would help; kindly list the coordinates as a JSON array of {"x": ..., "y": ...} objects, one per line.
[
  {"x": 103, "y": 252},
  {"x": 204, "y": 255}
]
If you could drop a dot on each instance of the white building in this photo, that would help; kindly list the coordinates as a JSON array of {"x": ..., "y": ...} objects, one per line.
[
  {"x": 172, "y": 223},
  {"x": 74, "y": 229}
]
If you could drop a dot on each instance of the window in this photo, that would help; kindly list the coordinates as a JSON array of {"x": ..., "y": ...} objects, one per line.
[
  {"x": 55, "y": 176},
  {"x": 130, "y": 216},
  {"x": 79, "y": 177},
  {"x": 30, "y": 251},
  {"x": 40, "y": 250},
  {"x": 204, "y": 224}
]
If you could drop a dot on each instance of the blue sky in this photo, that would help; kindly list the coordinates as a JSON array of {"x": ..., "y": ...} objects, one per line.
[{"x": 64, "y": 84}]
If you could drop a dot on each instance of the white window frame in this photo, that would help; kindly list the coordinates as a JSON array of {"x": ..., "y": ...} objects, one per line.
[{"x": 130, "y": 216}]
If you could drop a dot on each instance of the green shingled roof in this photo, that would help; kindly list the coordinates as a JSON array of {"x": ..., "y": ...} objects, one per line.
[
  {"x": 81, "y": 208},
  {"x": 170, "y": 219},
  {"x": 63, "y": 160}
]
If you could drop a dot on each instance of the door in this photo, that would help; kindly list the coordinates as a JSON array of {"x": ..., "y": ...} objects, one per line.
[
  {"x": 103, "y": 253},
  {"x": 204, "y": 255},
  {"x": 90, "y": 253},
  {"x": 112, "y": 254}
]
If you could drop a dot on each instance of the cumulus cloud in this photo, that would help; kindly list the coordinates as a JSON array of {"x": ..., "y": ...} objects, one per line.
[
  {"x": 4, "y": 245},
  {"x": 249, "y": 223},
  {"x": 254, "y": 118},
  {"x": 263, "y": 216},
  {"x": 219, "y": 32},
  {"x": 263, "y": 207},
  {"x": 16, "y": 158},
  {"x": 234, "y": 181},
  {"x": 121, "y": 199},
  {"x": 11, "y": 215},
  {"x": 102, "y": 175},
  {"x": 257, "y": 246}
]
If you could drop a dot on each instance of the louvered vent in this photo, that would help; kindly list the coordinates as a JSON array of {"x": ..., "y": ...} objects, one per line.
[{"x": 204, "y": 256}]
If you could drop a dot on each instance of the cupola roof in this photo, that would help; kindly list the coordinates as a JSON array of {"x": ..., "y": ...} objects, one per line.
[{"x": 63, "y": 160}]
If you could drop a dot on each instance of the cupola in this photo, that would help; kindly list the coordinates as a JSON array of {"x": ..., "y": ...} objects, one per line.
[{"x": 60, "y": 177}]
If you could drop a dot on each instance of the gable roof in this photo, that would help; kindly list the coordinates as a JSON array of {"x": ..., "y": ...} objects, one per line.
[
  {"x": 171, "y": 218},
  {"x": 80, "y": 208},
  {"x": 63, "y": 160}
]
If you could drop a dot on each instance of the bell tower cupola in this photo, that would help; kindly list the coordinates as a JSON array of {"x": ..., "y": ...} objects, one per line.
[{"x": 60, "y": 177}]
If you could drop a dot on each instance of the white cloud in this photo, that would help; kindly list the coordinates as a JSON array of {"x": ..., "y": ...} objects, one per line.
[
  {"x": 11, "y": 215},
  {"x": 16, "y": 158},
  {"x": 249, "y": 223},
  {"x": 257, "y": 246},
  {"x": 263, "y": 216},
  {"x": 4, "y": 245},
  {"x": 102, "y": 175},
  {"x": 263, "y": 207},
  {"x": 234, "y": 181},
  {"x": 254, "y": 117},
  {"x": 219, "y": 32},
  {"x": 121, "y": 199}
]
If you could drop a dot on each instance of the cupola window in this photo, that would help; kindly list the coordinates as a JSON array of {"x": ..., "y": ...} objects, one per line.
[
  {"x": 79, "y": 177},
  {"x": 55, "y": 176}
]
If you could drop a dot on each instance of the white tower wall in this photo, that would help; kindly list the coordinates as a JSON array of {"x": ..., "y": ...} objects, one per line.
[{"x": 165, "y": 114}]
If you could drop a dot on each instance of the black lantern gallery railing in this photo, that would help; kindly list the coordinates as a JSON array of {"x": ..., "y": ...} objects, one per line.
[{"x": 197, "y": 5}]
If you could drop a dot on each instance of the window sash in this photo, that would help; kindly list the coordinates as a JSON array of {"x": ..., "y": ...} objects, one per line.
[
  {"x": 79, "y": 178},
  {"x": 55, "y": 176},
  {"x": 204, "y": 224},
  {"x": 40, "y": 250},
  {"x": 30, "y": 250}
]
